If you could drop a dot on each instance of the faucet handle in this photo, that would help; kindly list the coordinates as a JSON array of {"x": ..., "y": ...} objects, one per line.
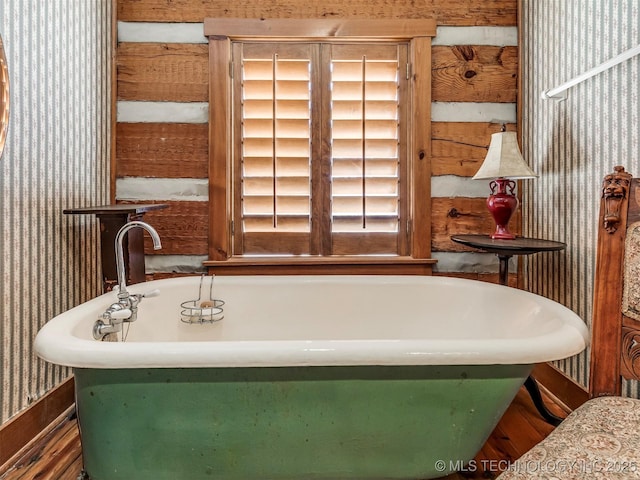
[
  {"x": 122, "y": 314},
  {"x": 151, "y": 293},
  {"x": 137, "y": 297}
]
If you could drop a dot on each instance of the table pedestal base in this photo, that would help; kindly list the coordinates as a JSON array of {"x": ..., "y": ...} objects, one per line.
[{"x": 534, "y": 392}]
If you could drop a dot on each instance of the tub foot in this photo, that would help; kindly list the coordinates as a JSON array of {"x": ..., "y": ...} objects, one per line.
[
  {"x": 83, "y": 476},
  {"x": 534, "y": 391}
]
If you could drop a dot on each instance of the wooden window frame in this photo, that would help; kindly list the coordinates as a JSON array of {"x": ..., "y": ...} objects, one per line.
[{"x": 417, "y": 33}]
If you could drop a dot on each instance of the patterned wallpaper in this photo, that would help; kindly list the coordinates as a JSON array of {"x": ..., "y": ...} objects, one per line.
[
  {"x": 56, "y": 157},
  {"x": 573, "y": 143}
]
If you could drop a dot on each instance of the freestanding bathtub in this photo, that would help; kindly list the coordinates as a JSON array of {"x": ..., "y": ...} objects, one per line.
[{"x": 318, "y": 377}]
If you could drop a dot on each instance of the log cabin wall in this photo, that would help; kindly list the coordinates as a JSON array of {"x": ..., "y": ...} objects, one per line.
[
  {"x": 162, "y": 111},
  {"x": 573, "y": 144}
]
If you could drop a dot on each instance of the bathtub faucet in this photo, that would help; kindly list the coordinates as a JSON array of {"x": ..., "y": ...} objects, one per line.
[
  {"x": 122, "y": 281},
  {"x": 126, "y": 308}
]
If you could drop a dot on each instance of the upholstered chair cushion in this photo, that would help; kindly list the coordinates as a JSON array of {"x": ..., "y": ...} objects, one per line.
[{"x": 599, "y": 440}]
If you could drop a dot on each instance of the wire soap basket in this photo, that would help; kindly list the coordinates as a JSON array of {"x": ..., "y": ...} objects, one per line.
[{"x": 201, "y": 310}]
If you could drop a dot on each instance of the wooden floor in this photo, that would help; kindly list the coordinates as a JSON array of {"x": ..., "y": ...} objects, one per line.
[{"x": 58, "y": 455}]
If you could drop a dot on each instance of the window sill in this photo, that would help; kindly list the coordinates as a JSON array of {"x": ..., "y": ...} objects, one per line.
[{"x": 342, "y": 265}]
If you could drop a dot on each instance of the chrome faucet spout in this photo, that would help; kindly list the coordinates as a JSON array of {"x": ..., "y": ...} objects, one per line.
[
  {"x": 126, "y": 308},
  {"x": 122, "y": 281}
]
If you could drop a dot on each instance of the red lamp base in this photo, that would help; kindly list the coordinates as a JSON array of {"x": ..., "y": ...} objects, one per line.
[{"x": 502, "y": 204}]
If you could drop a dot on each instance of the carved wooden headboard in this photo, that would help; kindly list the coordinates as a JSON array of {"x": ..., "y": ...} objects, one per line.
[{"x": 615, "y": 345}]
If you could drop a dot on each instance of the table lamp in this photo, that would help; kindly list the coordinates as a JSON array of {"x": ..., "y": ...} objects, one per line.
[{"x": 504, "y": 164}]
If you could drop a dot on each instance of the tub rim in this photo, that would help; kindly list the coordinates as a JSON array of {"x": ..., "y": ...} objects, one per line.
[{"x": 56, "y": 344}]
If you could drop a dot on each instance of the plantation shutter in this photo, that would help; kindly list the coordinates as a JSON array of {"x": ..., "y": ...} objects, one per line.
[
  {"x": 273, "y": 174},
  {"x": 367, "y": 147},
  {"x": 319, "y": 166}
]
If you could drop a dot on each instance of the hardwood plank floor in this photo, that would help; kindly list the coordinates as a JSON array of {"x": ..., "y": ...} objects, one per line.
[{"x": 58, "y": 455}]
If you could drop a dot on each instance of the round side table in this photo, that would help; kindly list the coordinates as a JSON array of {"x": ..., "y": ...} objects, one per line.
[{"x": 505, "y": 249}]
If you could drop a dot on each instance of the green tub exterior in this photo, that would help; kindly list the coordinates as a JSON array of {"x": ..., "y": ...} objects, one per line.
[{"x": 370, "y": 422}]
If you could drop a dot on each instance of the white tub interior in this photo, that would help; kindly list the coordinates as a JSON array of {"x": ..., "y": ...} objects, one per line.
[{"x": 325, "y": 320}]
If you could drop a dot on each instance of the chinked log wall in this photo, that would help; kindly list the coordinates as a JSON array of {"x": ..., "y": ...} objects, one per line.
[{"x": 161, "y": 147}]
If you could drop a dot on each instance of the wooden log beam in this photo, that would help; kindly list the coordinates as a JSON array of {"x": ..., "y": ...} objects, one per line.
[
  {"x": 162, "y": 150},
  {"x": 445, "y": 12},
  {"x": 459, "y": 148},
  {"x": 163, "y": 72},
  {"x": 468, "y": 73}
]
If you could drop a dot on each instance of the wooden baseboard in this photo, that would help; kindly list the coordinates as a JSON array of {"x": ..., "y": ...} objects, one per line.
[
  {"x": 20, "y": 430},
  {"x": 559, "y": 385}
]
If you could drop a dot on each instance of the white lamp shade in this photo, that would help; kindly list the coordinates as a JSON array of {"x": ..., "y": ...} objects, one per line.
[{"x": 504, "y": 159}]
